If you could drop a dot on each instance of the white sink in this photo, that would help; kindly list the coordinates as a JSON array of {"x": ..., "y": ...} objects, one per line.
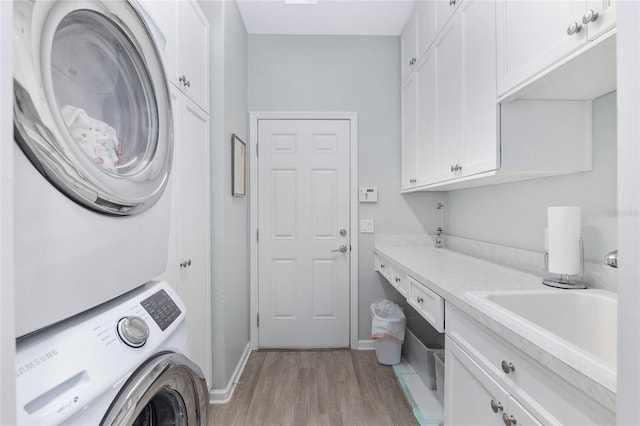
[{"x": 580, "y": 327}]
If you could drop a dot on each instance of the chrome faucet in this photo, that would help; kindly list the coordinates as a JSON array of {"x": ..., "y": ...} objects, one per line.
[{"x": 612, "y": 258}]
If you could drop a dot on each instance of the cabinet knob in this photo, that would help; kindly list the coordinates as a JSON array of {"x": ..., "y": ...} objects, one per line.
[
  {"x": 382, "y": 265},
  {"x": 496, "y": 406},
  {"x": 508, "y": 420},
  {"x": 183, "y": 79},
  {"x": 507, "y": 367},
  {"x": 589, "y": 16},
  {"x": 420, "y": 299},
  {"x": 453, "y": 169},
  {"x": 397, "y": 279},
  {"x": 452, "y": 2},
  {"x": 458, "y": 167},
  {"x": 574, "y": 28}
]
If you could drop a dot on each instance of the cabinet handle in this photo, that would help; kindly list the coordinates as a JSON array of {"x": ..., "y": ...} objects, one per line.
[
  {"x": 507, "y": 367},
  {"x": 574, "y": 28},
  {"x": 183, "y": 79},
  {"x": 509, "y": 420},
  {"x": 589, "y": 16},
  {"x": 420, "y": 299},
  {"x": 496, "y": 406},
  {"x": 382, "y": 265},
  {"x": 397, "y": 279}
]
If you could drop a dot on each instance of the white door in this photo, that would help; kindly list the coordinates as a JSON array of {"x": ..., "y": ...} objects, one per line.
[{"x": 303, "y": 209}]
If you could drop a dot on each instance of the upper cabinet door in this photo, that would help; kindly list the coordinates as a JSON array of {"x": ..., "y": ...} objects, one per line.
[
  {"x": 533, "y": 35},
  {"x": 479, "y": 150},
  {"x": 426, "y": 23},
  {"x": 409, "y": 136},
  {"x": 600, "y": 16},
  {"x": 409, "y": 55},
  {"x": 444, "y": 11},
  {"x": 448, "y": 100},
  {"x": 193, "y": 53}
]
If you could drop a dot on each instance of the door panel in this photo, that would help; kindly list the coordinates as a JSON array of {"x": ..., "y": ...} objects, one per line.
[{"x": 303, "y": 203}]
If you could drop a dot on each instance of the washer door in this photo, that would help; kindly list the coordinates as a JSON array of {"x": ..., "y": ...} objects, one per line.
[
  {"x": 168, "y": 390},
  {"x": 91, "y": 103}
]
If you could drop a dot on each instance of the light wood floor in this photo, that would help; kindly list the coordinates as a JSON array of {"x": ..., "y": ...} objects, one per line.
[{"x": 332, "y": 387}]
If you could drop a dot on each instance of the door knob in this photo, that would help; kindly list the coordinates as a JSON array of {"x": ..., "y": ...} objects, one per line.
[{"x": 341, "y": 249}]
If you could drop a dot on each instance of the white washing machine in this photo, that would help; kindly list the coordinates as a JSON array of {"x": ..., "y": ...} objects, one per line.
[
  {"x": 93, "y": 122},
  {"x": 122, "y": 363}
]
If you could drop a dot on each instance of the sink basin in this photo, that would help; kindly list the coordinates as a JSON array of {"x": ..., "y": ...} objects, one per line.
[{"x": 580, "y": 327}]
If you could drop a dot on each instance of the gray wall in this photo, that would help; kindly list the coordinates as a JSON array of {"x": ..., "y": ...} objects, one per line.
[
  {"x": 229, "y": 215},
  {"x": 348, "y": 73},
  {"x": 515, "y": 214}
]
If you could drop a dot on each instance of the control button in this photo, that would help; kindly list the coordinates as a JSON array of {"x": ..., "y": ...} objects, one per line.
[{"x": 133, "y": 331}]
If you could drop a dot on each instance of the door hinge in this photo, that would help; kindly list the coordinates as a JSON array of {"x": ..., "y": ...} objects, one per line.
[{"x": 258, "y": 320}]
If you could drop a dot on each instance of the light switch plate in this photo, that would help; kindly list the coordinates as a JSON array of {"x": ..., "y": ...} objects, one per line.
[
  {"x": 366, "y": 226},
  {"x": 368, "y": 195}
]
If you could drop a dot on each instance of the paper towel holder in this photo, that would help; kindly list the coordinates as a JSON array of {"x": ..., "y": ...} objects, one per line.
[{"x": 563, "y": 281}]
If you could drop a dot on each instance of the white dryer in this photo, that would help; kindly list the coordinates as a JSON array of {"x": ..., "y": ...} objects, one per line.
[
  {"x": 92, "y": 118},
  {"x": 122, "y": 363}
]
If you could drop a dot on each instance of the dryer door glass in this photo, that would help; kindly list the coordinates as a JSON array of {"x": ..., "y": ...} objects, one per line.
[
  {"x": 92, "y": 109},
  {"x": 104, "y": 93}
]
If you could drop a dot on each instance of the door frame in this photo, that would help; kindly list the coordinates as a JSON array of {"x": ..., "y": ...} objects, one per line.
[{"x": 254, "y": 117}]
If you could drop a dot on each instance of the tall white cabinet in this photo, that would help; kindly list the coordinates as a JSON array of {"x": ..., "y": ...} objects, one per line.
[{"x": 186, "y": 54}]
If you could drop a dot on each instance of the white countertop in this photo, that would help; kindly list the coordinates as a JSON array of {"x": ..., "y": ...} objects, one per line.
[{"x": 451, "y": 274}]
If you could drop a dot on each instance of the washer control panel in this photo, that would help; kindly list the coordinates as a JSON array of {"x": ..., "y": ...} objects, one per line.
[{"x": 162, "y": 309}]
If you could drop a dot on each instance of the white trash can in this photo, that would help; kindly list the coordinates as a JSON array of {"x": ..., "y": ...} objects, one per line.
[{"x": 387, "y": 328}]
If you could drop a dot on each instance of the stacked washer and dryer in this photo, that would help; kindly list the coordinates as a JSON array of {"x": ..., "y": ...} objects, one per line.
[{"x": 100, "y": 343}]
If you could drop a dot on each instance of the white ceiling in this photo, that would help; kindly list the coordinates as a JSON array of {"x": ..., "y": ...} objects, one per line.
[{"x": 327, "y": 17}]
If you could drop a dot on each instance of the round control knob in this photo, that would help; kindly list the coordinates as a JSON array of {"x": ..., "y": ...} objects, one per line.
[{"x": 133, "y": 331}]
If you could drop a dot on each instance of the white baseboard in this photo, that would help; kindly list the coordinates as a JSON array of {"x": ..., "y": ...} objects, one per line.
[
  {"x": 366, "y": 345},
  {"x": 222, "y": 396}
]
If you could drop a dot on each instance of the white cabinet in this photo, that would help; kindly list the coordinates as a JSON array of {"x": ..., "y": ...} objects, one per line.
[
  {"x": 456, "y": 135},
  {"x": 419, "y": 123},
  {"x": 186, "y": 31},
  {"x": 426, "y": 25},
  {"x": 478, "y": 400},
  {"x": 427, "y": 303},
  {"x": 534, "y": 35},
  {"x": 448, "y": 49},
  {"x": 500, "y": 371},
  {"x": 409, "y": 133},
  {"x": 444, "y": 10},
  {"x": 394, "y": 275},
  {"x": 408, "y": 46},
  {"x": 188, "y": 262},
  {"x": 479, "y": 150},
  {"x": 455, "y": 102}
]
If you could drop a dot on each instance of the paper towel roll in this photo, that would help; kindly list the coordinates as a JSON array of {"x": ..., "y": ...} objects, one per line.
[{"x": 564, "y": 240}]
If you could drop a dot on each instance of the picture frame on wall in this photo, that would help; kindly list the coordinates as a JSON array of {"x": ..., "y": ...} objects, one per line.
[{"x": 239, "y": 169}]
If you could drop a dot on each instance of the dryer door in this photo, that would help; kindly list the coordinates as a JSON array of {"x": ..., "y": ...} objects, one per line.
[
  {"x": 91, "y": 103},
  {"x": 168, "y": 390}
]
